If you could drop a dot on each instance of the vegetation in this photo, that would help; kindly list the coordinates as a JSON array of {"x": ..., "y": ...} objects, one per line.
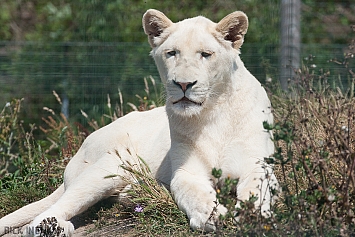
[
  {"x": 314, "y": 131},
  {"x": 314, "y": 161}
]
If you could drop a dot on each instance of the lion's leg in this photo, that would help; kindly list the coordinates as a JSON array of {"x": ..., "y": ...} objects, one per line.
[
  {"x": 196, "y": 197},
  {"x": 96, "y": 182},
  {"x": 260, "y": 184}
]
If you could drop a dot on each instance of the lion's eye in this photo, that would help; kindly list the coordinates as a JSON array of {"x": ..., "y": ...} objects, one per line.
[
  {"x": 206, "y": 54},
  {"x": 171, "y": 53}
]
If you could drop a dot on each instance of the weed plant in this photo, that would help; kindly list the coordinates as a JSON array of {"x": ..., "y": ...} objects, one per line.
[
  {"x": 157, "y": 213},
  {"x": 314, "y": 160}
]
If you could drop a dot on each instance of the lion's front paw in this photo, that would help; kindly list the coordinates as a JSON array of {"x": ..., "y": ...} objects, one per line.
[
  {"x": 208, "y": 220},
  {"x": 203, "y": 224}
]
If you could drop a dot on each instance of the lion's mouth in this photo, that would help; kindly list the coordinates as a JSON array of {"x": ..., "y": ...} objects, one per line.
[{"x": 187, "y": 100}]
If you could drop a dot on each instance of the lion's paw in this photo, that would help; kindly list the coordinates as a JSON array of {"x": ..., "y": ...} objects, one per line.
[{"x": 208, "y": 220}]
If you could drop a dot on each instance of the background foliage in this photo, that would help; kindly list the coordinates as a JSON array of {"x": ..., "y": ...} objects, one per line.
[{"x": 85, "y": 50}]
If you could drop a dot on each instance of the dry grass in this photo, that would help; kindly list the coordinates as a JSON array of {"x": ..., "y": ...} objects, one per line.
[{"x": 315, "y": 141}]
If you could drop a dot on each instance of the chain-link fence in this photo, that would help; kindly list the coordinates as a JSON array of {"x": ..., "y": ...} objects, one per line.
[
  {"x": 98, "y": 55},
  {"x": 85, "y": 73}
]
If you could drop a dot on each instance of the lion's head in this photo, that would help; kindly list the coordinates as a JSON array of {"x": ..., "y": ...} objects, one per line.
[{"x": 196, "y": 57}]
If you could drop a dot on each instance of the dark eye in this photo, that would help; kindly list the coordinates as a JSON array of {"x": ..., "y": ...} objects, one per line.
[
  {"x": 205, "y": 54},
  {"x": 171, "y": 53}
]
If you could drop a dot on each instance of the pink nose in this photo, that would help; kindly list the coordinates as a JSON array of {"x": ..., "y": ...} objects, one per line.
[{"x": 185, "y": 85}]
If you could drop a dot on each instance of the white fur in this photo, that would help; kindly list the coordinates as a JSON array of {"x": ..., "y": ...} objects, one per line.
[{"x": 182, "y": 142}]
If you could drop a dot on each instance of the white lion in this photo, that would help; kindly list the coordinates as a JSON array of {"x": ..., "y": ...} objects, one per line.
[{"x": 213, "y": 117}]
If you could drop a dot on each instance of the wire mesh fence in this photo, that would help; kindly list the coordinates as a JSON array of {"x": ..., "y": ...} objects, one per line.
[
  {"x": 99, "y": 56},
  {"x": 85, "y": 73}
]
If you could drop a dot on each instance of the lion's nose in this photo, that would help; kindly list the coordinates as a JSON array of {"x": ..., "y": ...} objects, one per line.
[{"x": 185, "y": 85}]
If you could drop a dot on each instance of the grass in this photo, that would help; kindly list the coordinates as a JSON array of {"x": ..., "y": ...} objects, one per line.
[{"x": 314, "y": 136}]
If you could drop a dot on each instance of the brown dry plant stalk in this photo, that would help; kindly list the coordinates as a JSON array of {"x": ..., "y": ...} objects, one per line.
[{"x": 315, "y": 143}]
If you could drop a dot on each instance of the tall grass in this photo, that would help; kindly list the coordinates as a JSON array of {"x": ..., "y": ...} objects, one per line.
[{"x": 314, "y": 135}]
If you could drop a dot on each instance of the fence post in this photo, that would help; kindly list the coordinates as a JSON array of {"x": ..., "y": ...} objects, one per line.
[
  {"x": 64, "y": 71},
  {"x": 290, "y": 40}
]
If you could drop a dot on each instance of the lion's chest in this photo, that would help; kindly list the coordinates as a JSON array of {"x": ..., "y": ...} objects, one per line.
[
  {"x": 219, "y": 146},
  {"x": 230, "y": 143},
  {"x": 210, "y": 146}
]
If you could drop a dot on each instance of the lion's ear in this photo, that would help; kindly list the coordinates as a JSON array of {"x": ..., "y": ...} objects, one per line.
[
  {"x": 233, "y": 27},
  {"x": 154, "y": 23}
]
